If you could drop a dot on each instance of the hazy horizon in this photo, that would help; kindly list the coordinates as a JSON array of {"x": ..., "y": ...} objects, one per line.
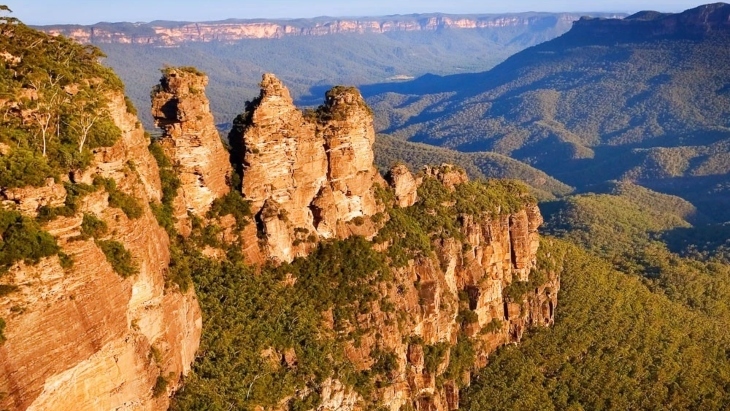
[{"x": 45, "y": 12}]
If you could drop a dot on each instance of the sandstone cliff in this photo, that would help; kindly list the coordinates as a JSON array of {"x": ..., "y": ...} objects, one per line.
[
  {"x": 465, "y": 293},
  {"x": 307, "y": 177},
  {"x": 190, "y": 139},
  {"x": 175, "y": 34},
  {"x": 85, "y": 338}
]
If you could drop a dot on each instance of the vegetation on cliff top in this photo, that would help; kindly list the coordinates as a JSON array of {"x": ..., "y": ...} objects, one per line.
[
  {"x": 638, "y": 325},
  {"x": 264, "y": 332},
  {"x": 53, "y": 96}
]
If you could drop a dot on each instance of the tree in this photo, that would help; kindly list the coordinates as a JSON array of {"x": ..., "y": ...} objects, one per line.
[
  {"x": 46, "y": 107},
  {"x": 89, "y": 108}
]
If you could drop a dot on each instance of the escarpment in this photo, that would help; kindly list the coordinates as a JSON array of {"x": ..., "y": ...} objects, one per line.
[
  {"x": 85, "y": 337},
  {"x": 460, "y": 297},
  {"x": 308, "y": 176},
  {"x": 190, "y": 139},
  {"x": 399, "y": 290},
  {"x": 322, "y": 285}
]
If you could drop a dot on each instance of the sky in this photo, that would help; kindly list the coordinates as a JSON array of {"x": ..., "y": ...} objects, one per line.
[{"x": 39, "y": 12}]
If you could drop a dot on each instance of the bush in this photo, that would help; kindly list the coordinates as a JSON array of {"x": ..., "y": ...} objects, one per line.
[
  {"x": 22, "y": 239},
  {"x": 119, "y": 257},
  {"x": 160, "y": 386},
  {"x": 6, "y": 289},
  {"x": 170, "y": 184},
  {"x": 92, "y": 226},
  {"x": 232, "y": 204},
  {"x": 433, "y": 356},
  {"x": 74, "y": 193},
  {"x": 118, "y": 199},
  {"x": 24, "y": 168}
]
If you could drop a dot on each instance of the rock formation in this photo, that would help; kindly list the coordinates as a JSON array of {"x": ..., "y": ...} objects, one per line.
[
  {"x": 229, "y": 31},
  {"x": 469, "y": 275},
  {"x": 190, "y": 139},
  {"x": 404, "y": 184},
  {"x": 85, "y": 338},
  {"x": 308, "y": 177}
]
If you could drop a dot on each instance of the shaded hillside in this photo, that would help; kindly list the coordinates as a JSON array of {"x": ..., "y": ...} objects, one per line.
[
  {"x": 235, "y": 66},
  {"x": 389, "y": 151},
  {"x": 615, "y": 345},
  {"x": 649, "y": 103}
]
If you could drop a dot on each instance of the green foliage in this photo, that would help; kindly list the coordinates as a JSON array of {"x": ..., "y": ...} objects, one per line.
[
  {"x": 23, "y": 167},
  {"x": 615, "y": 345},
  {"x": 119, "y": 257},
  {"x": 60, "y": 93},
  {"x": 92, "y": 226},
  {"x": 131, "y": 109},
  {"x": 585, "y": 110},
  {"x": 248, "y": 313},
  {"x": 232, "y": 204},
  {"x": 434, "y": 355},
  {"x": 160, "y": 386},
  {"x": 170, "y": 184},
  {"x": 119, "y": 199},
  {"x": 461, "y": 360},
  {"x": 74, "y": 194},
  {"x": 439, "y": 213},
  {"x": 22, "y": 239}
]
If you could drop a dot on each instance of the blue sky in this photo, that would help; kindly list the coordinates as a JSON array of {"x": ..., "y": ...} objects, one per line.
[{"x": 92, "y": 11}]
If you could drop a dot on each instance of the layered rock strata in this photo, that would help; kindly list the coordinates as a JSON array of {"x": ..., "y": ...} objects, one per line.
[
  {"x": 471, "y": 275},
  {"x": 176, "y": 34},
  {"x": 181, "y": 109},
  {"x": 85, "y": 338},
  {"x": 308, "y": 177}
]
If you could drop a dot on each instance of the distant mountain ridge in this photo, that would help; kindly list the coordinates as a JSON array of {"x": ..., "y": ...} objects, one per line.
[
  {"x": 643, "y": 99},
  {"x": 170, "y": 34}
]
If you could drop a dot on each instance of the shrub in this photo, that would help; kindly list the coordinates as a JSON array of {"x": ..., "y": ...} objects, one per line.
[
  {"x": 74, "y": 193},
  {"x": 24, "y": 168},
  {"x": 118, "y": 199},
  {"x": 6, "y": 289},
  {"x": 119, "y": 257},
  {"x": 92, "y": 226},
  {"x": 233, "y": 204},
  {"x": 22, "y": 239},
  {"x": 433, "y": 356},
  {"x": 160, "y": 386}
]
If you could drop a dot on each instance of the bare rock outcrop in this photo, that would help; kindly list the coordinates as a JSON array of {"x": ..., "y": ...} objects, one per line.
[
  {"x": 190, "y": 139},
  {"x": 462, "y": 291},
  {"x": 307, "y": 176},
  {"x": 404, "y": 185},
  {"x": 84, "y": 337}
]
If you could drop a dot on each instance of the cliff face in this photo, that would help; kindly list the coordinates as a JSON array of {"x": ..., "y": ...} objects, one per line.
[
  {"x": 85, "y": 338},
  {"x": 433, "y": 296},
  {"x": 175, "y": 34},
  {"x": 181, "y": 109},
  {"x": 308, "y": 177}
]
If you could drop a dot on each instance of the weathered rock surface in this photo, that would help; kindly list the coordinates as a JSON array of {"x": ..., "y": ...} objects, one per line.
[
  {"x": 29, "y": 200},
  {"x": 404, "y": 184},
  {"x": 470, "y": 275},
  {"x": 190, "y": 139},
  {"x": 230, "y": 31},
  {"x": 85, "y": 338},
  {"x": 308, "y": 177}
]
